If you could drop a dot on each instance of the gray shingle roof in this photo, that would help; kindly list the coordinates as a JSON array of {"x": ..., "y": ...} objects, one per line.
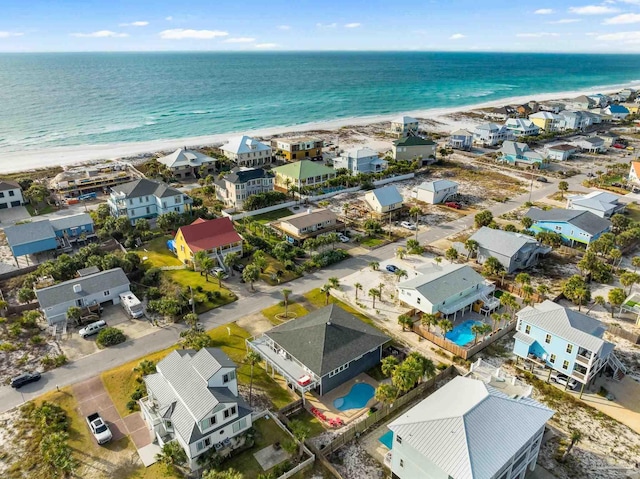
[
  {"x": 92, "y": 284},
  {"x": 240, "y": 175},
  {"x": 504, "y": 242},
  {"x": 145, "y": 187},
  {"x": 572, "y": 326},
  {"x": 29, "y": 232},
  {"x": 8, "y": 185},
  {"x": 585, "y": 220},
  {"x": 443, "y": 281},
  {"x": 327, "y": 338},
  {"x": 453, "y": 427}
]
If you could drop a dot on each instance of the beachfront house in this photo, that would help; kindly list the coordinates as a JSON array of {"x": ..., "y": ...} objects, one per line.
[
  {"x": 185, "y": 163},
  {"x": 300, "y": 174},
  {"x": 10, "y": 194},
  {"x": 321, "y": 350},
  {"x": 616, "y": 112},
  {"x": 193, "y": 399},
  {"x": 103, "y": 287},
  {"x": 573, "y": 226},
  {"x": 74, "y": 182},
  {"x": 573, "y": 120},
  {"x": 447, "y": 434},
  {"x": 551, "y": 106},
  {"x": 412, "y": 147},
  {"x": 241, "y": 183},
  {"x": 246, "y": 151},
  {"x": 436, "y": 191},
  {"x": 446, "y": 290},
  {"x": 633, "y": 108},
  {"x": 216, "y": 237},
  {"x": 521, "y": 127},
  {"x": 520, "y": 154},
  {"x": 596, "y": 118},
  {"x": 501, "y": 113},
  {"x": 599, "y": 100},
  {"x": 609, "y": 138},
  {"x": 308, "y": 224},
  {"x": 634, "y": 173},
  {"x": 591, "y": 144},
  {"x": 600, "y": 203},
  {"x": 360, "y": 160},
  {"x": 146, "y": 199},
  {"x": 561, "y": 152},
  {"x": 545, "y": 120},
  {"x": 404, "y": 126},
  {"x": 583, "y": 102},
  {"x": 292, "y": 149},
  {"x": 461, "y": 140},
  {"x": 564, "y": 340},
  {"x": 384, "y": 200},
  {"x": 490, "y": 134},
  {"x": 514, "y": 251}
]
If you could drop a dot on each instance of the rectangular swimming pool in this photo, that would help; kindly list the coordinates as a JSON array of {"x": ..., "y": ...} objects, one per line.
[
  {"x": 387, "y": 439},
  {"x": 461, "y": 334}
]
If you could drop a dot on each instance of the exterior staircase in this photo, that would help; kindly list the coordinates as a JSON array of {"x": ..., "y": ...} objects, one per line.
[{"x": 619, "y": 369}]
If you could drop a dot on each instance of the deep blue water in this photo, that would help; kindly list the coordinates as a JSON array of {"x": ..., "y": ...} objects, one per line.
[
  {"x": 63, "y": 99},
  {"x": 462, "y": 333},
  {"x": 358, "y": 397}
]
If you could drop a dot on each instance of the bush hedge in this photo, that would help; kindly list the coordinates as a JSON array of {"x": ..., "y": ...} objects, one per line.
[{"x": 110, "y": 337}]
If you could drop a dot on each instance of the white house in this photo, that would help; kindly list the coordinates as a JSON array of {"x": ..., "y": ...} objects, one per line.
[
  {"x": 447, "y": 289},
  {"x": 468, "y": 429},
  {"x": 241, "y": 183},
  {"x": 360, "y": 160},
  {"x": 591, "y": 144},
  {"x": 414, "y": 147},
  {"x": 185, "y": 163},
  {"x": 573, "y": 120},
  {"x": 85, "y": 291},
  {"x": 247, "y": 151},
  {"x": 490, "y": 134},
  {"x": 461, "y": 140},
  {"x": 600, "y": 203},
  {"x": 436, "y": 191},
  {"x": 404, "y": 126},
  {"x": 560, "y": 152},
  {"x": 10, "y": 194},
  {"x": 384, "y": 200},
  {"x": 521, "y": 127},
  {"x": 193, "y": 399},
  {"x": 616, "y": 112}
]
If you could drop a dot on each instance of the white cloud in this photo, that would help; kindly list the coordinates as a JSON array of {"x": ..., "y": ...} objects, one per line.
[
  {"x": 592, "y": 10},
  {"x": 352, "y": 25},
  {"x": 456, "y": 36},
  {"x": 169, "y": 18},
  {"x": 10, "y": 34},
  {"x": 240, "y": 40},
  {"x": 623, "y": 37},
  {"x": 632, "y": 2},
  {"x": 625, "y": 18},
  {"x": 284, "y": 27},
  {"x": 266, "y": 45},
  {"x": 100, "y": 34},
  {"x": 134, "y": 24},
  {"x": 326, "y": 25},
  {"x": 564, "y": 20},
  {"x": 537, "y": 35},
  {"x": 181, "y": 33},
  {"x": 544, "y": 11}
]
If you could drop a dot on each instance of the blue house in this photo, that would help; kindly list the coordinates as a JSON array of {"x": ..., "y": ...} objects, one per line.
[
  {"x": 573, "y": 225},
  {"x": 461, "y": 140},
  {"x": 73, "y": 226},
  {"x": 564, "y": 340},
  {"x": 520, "y": 153},
  {"x": 360, "y": 160}
]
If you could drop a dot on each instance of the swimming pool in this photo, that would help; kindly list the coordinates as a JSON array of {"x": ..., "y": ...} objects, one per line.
[
  {"x": 387, "y": 439},
  {"x": 358, "y": 397},
  {"x": 462, "y": 334}
]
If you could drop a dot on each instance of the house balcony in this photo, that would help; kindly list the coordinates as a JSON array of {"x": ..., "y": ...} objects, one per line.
[
  {"x": 584, "y": 360},
  {"x": 579, "y": 376},
  {"x": 481, "y": 294}
]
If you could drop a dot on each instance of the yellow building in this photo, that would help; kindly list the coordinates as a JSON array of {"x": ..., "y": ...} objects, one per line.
[
  {"x": 545, "y": 120},
  {"x": 292, "y": 149},
  {"x": 217, "y": 237},
  {"x": 632, "y": 107}
]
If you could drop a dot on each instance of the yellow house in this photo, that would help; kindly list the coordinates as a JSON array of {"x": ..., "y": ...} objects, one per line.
[
  {"x": 545, "y": 120},
  {"x": 292, "y": 149},
  {"x": 217, "y": 237},
  {"x": 632, "y": 107}
]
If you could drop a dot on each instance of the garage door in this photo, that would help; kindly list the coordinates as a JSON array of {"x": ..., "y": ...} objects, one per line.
[{"x": 107, "y": 303}]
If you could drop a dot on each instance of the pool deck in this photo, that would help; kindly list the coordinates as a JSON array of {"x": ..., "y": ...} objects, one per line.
[{"x": 471, "y": 316}]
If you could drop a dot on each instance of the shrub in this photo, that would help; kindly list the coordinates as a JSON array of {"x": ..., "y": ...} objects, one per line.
[
  {"x": 217, "y": 294},
  {"x": 110, "y": 337},
  {"x": 154, "y": 293},
  {"x": 132, "y": 405},
  {"x": 37, "y": 339},
  {"x": 8, "y": 347}
]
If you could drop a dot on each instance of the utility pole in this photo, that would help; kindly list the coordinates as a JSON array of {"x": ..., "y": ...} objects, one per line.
[
  {"x": 530, "y": 187},
  {"x": 193, "y": 303}
]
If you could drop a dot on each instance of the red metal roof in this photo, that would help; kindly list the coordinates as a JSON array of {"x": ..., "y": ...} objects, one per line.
[{"x": 209, "y": 234}]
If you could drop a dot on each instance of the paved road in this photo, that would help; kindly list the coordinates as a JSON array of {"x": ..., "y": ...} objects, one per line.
[{"x": 248, "y": 303}]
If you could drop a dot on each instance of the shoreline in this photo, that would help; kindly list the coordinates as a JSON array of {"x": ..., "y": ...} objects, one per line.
[{"x": 87, "y": 154}]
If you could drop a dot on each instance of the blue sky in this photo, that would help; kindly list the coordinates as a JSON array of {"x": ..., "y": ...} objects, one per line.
[{"x": 260, "y": 25}]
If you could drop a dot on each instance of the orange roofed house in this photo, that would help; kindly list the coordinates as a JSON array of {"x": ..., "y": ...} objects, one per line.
[
  {"x": 634, "y": 173},
  {"x": 217, "y": 237}
]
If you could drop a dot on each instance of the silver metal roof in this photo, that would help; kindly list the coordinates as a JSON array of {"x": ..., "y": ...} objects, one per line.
[
  {"x": 505, "y": 242},
  {"x": 443, "y": 281}
]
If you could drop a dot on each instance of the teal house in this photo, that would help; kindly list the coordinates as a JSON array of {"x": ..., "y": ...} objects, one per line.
[
  {"x": 573, "y": 225},
  {"x": 520, "y": 154}
]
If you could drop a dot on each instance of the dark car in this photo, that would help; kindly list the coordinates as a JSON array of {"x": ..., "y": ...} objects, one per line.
[
  {"x": 542, "y": 179},
  {"x": 25, "y": 379},
  {"x": 392, "y": 268},
  {"x": 238, "y": 267}
]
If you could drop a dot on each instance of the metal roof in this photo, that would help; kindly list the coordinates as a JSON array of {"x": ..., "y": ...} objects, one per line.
[
  {"x": 585, "y": 220},
  {"x": 437, "y": 185},
  {"x": 91, "y": 284},
  {"x": 404, "y": 120},
  {"x": 596, "y": 200},
  {"x": 71, "y": 221},
  {"x": 303, "y": 169},
  {"x": 440, "y": 282},
  {"x": 244, "y": 144},
  {"x": 183, "y": 157},
  {"x": 327, "y": 338},
  {"x": 503, "y": 242},
  {"x": 469, "y": 429},
  {"x": 309, "y": 218},
  {"x": 29, "y": 233},
  {"x": 386, "y": 196},
  {"x": 462, "y": 132},
  {"x": 525, "y": 338},
  {"x": 412, "y": 140},
  {"x": 363, "y": 152},
  {"x": 572, "y": 326}
]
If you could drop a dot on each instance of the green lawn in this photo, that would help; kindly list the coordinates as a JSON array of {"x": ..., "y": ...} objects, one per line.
[
  {"x": 271, "y": 311},
  {"x": 315, "y": 426},
  {"x": 186, "y": 277},
  {"x": 272, "y": 215},
  {"x": 317, "y": 299},
  {"x": 41, "y": 211},
  {"x": 369, "y": 242},
  {"x": 633, "y": 212},
  {"x": 272, "y": 267},
  {"x": 157, "y": 252}
]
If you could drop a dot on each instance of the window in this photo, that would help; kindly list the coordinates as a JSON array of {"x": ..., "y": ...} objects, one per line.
[
  {"x": 200, "y": 445},
  {"x": 338, "y": 370},
  {"x": 527, "y": 329},
  {"x": 12, "y": 193},
  {"x": 565, "y": 364},
  {"x": 1, "y": 194},
  {"x": 207, "y": 441},
  {"x": 547, "y": 339},
  {"x": 230, "y": 376},
  {"x": 169, "y": 425},
  {"x": 552, "y": 359},
  {"x": 569, "y": 348},
  {"x": 399, "y": 439},
  {"x": 230, "y": 412},
  {"x": 106, "y": 293},
  {"x": 419, "y": 300},
  {"x": 401, "y": 463}
]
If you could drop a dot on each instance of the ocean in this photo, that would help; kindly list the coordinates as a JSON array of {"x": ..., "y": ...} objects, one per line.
[{"x": 69, "y": 99}]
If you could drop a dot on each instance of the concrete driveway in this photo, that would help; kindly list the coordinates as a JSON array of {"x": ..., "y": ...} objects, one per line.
[{"x": 11, "y": 216}]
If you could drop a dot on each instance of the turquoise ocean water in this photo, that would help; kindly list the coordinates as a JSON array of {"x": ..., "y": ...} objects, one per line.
[{"x": 65, "y": 99}]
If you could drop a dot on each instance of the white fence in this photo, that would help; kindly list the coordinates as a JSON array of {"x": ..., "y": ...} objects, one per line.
[
  {"x": 231, "y": 212},
  {"x": 391, "y": 179},
  {"x": 358, "y": 188}
]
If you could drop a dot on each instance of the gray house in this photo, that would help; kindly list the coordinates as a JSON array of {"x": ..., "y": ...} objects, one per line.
[
  {"x": 461, "y": 140},
  {"x": 321, "y": 350},
  {"x": 513, "y": 250},
  {"x": 360, "y": 160},
  {"x": 436, "y": 191},
  {"x": 98, "y": 288}
]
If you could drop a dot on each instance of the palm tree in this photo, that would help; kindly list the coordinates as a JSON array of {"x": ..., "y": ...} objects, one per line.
[
  {"x": 576, "y": 437},
  {"x": 172, "y": 455},
  {"x": 476, "y": 330},
  {"x": 429, "y": 320},
  {"x": 251, "y": 274},
  {"x": 405, "y": 321},
  {"x": 471, "y": 246},
  {"x": 326, "y": 289},
  {"x": 358, "y": 287},
  {"x": 496, "y": 318},
  {"x": 404, "y": 378},
  {"x": 219, "y": 276},
  {"x": 374, "y": 265},
  {"x": 485, "y": 329},
  {"x": 334, "y": 282},
  {"x": 231, "y": 260},
  {"x": 230, "y": 473},
  {"x": 374, "y": 293},
  {"x": 386, "y": 393},
  {"x": 427, "y": 368},
  {"x": 380, "y": 290},
  {"x": 635, "y": 262},
  {"x": 522, "y": 279},
  {"x": 527, "y": 291},
  {"x": 301, "y": 432},
  {"x": 542, "y": 289},
  {"x": 415, "y": 211},
  {"x": 145, "y": 367},
  {"x": 260, "y": 260},
  {"x": 252, "y": 358},
  {"x": 445, "y": 326},
  {"x": 388, "y": 365},
  {"x": 400, "y": 273},
  {"x": 285, "y": 293},
  {"x": 438, "y": 259},
  {"x": 401, "y": 252},
  {"x": 599, "y": 300}
]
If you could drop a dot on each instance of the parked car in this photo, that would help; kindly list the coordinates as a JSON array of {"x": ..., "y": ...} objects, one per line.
[
  {"x": 99, "y": 428},
  {"x": 618, "y": 146},
  {"x": 24, "y": 379},
  {"x": 391, "y": 268},
  {"x": 408, "y": 225},
  {"x": 238, "y": 267},
  {"x": 453, "y": 204},
  {"x": 343, "y": 238},
  {"x": 542, "y": 179},
  {"x": 93, "y": 328},
  {"x": 562, "y": 380},
  {"x": 217, "y": 270}
]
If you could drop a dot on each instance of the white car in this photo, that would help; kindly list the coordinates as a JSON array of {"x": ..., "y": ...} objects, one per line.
[
  {"x": 217, "y": 269},
  {"x": 408, "y": 225},
  {"x": 343, "y": 238},
  {"x": 562, "y": 380}
]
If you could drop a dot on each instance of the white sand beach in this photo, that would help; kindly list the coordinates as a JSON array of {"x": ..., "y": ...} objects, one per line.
[{"x": 443, "y": 120}]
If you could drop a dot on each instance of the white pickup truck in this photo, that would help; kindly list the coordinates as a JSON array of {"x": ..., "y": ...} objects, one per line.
[{"x": 99, "y": 428}]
